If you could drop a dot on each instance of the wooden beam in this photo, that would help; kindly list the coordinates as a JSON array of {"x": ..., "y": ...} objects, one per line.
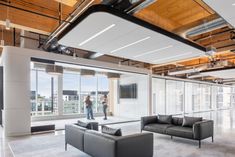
[{"x": 26, "y": 28}]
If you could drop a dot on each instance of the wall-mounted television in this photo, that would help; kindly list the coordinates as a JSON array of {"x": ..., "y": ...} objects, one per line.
[{"x": 128, "y": 91}]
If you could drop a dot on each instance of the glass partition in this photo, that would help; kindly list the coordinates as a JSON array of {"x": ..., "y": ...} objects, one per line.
[
  {"x": 158, "y": 96},
  {"x": 174, "y": 97}
]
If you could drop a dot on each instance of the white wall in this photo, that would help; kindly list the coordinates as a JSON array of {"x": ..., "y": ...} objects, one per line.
[
  {"x": 133, "y": 108},
  {"x": 16, "y": 62}
]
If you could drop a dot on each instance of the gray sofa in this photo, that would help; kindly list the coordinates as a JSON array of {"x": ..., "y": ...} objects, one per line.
[
  {"x": 97, "y": 144},
  {"x": 199, "y": 131}
]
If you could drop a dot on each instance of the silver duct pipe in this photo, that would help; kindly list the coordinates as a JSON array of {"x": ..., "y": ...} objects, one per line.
[{"x": 207, "y": 27}]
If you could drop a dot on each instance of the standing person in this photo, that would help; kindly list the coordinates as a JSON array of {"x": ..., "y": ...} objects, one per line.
[
  {"x": 105, "y": 106},
  {"x": 88, "y": 104}
]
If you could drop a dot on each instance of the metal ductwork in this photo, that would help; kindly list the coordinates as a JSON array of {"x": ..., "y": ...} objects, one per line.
[
  {"x": 128, "y": 6},
  {"x": 207, "y": 27}
]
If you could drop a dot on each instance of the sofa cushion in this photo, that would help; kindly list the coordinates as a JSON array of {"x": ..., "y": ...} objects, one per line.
[
  {"x": 180, "y": 131},
  {"x": 158, "y": 128},
  {"x": 111, "y": 131},
  {"x": 82, "y": 124},
  {"x": 177, "y": 121},
  {"x": 164, "y": 119},
  {"x": 189, "y": 121}
]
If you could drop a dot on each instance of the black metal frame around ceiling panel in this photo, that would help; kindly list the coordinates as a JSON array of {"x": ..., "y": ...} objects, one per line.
[{"x": 130, "y": 18}]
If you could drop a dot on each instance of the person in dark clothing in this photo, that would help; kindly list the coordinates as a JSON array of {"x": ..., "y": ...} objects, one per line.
[
  {"x": 105, "y": 106},
  {"x": 88, "y": 104}
]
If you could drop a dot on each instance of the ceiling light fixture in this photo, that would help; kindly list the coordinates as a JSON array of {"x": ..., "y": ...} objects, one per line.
[
  {"x": 97, "y": 34},
  {"x": 149, "y": 52},
  {"x": 233, "y": 4},
  {"x": 136, "y": 42},
  {"x": 167, "y": 58}
]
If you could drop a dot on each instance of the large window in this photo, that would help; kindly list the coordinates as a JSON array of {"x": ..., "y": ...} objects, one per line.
[
  {"x": 71, "y": 101},
  {"x": 43, "y": 93},
  {"x": 88, "y": 87},
  {"x": 103, "y": 89}
]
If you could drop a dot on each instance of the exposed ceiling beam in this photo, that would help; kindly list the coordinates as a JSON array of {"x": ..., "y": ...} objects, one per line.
[
  {"x": 183, "y": 29},
  {"x": 70, "y": 3},
  {"x": 26, "y": 28}
]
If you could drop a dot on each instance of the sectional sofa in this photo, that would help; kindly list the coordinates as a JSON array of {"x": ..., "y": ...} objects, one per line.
[
  {"x": 97, "y": 144},
  {"x": 187, "y": 127}
]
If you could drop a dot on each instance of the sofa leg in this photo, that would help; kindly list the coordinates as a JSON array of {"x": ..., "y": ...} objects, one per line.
[
  {"x": 65, "y": 146},
  {"x": 199, "y": 143},
  {"x": 212, "y": 139}
]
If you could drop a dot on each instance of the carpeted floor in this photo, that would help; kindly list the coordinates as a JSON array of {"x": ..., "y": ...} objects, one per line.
[{"x": 53, "y": 146}]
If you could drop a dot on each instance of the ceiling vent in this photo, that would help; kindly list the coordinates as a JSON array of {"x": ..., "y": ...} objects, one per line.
[{"x": 54, "y": 69}]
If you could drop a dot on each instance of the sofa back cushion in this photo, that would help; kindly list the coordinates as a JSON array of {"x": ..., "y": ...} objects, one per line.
[
  {"x": 189, "y": 121},
  {"x": 177, "y": 121},
  {"x": 164, "y": 119},
  {"x": 111, "y": 131},
  {"x": 90, "y": 125},
  {"x": 99, "y": 145}
]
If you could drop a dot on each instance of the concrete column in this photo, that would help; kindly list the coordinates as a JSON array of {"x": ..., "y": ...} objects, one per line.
[
  {"x": 17, "y": 107},
  {"x": 60, "y": 95}
]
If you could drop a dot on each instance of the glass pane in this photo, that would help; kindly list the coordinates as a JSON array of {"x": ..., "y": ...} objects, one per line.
[
  {"x": 103, "y": 89},
  {"x": 33, "y": 92},
  {"x": 71, "y": 92},
  {"x": 88, "y": 87},
  {"x": 47, "y": 94},
  {"x": 158, "y": 89},
  {"x": 174, "y": 97}
]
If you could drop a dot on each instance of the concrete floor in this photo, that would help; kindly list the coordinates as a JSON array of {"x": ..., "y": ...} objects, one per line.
[
  {"x": 224, "y": 145},
  {"x": 59, "y": 124}
]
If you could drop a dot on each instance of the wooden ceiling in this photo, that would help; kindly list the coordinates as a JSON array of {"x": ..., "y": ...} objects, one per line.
[{"x": 177, "y": 16}]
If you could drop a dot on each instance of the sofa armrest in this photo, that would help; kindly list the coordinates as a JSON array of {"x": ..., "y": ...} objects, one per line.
[
  {"x": 203, "y": 129},
  {"x": 147, "y": 120},
  {"x": 74, "y": 135},
  {"x": 137, "y": 145}
]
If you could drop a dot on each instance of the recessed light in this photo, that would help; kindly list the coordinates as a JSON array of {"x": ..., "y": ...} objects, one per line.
[
  {"x": 233, "y": 4},
  {"x": 149, "y": 52},
  {"x": 136, "y": 42},
  {"x": 97, "y": 34}
]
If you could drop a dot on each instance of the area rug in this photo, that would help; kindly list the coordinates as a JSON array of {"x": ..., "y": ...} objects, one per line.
[
  {"x": 53, "y": 146},
  {"x": 43, "y": 146}
]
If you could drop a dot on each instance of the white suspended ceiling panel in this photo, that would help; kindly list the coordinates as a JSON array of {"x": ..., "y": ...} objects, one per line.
[
  {"x": 107, "y": 33},
  {"x": 224, "y": 74},
  {"x": 225, "y": 8}
]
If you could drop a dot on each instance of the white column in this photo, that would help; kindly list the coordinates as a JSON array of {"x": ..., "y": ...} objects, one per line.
[
  {"x": 17, "y": 107},
  {"x": 60, "y": 95},
  {"x": 149, "y": 95}
]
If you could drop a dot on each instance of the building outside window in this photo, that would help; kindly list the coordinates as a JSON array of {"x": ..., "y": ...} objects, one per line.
[{"x": 71, "y": 86}]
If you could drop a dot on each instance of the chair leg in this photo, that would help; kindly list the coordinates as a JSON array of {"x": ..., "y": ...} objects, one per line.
[
  {"x": 171, "y": 137},
  {"x": 65, "y": 146},
  {"x": 199, "y": 143},
  {"x": 212, "y": 139}
]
